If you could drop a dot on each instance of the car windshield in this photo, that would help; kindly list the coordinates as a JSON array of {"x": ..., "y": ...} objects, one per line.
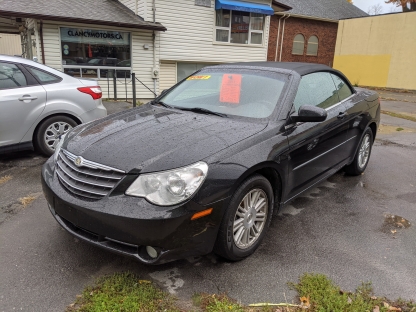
[{"x": 239, "y": 92}]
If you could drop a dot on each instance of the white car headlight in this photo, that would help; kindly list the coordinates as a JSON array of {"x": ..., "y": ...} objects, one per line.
[
  {"x": 58, "y": 147},
  {"x": 169, "y": 187}
]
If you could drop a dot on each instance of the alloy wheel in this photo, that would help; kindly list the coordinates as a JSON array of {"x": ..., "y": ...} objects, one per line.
[
  {"x": 364, "y": 151},
  {"x": 54, "y": 132},
  {"x": 250, "y": 218}
]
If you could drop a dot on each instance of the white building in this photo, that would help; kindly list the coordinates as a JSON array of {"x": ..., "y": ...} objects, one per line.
[{"x": 160, "y": 41}]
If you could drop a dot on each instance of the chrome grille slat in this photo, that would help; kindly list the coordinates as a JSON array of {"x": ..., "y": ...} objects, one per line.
[
  {"x": 73, "y": 167},
  {"x": 101, "y": 184},
  {"x": 87, "y": 180},
  {"x": 78, "y": 192},
  {"x": 78, "y": 188},
  {"x": 92, "y": 164}
]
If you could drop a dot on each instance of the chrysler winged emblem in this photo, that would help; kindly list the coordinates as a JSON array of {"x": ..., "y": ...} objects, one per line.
[{"x": 78, "y": 161}]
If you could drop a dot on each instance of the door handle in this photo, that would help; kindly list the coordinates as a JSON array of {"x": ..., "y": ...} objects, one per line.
[
  {"x": 27, "y": 97},
  {"x": 342, "y": 115}
]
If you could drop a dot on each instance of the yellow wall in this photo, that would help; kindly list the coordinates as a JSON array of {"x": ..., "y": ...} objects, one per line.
[{"x": 378, "y": 51}]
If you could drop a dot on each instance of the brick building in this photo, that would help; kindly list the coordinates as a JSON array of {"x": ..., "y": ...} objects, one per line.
[{"x": 306, "y": 31}]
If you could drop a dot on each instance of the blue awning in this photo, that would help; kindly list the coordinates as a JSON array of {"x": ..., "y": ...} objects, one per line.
[{"x": 243, "y": 6}]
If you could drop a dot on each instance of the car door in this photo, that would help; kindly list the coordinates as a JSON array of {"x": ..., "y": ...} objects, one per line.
[
  {"x": 354, "y": 106},
  {"x": 22, "y": 100},
  {"x": 316, "y": 147}
]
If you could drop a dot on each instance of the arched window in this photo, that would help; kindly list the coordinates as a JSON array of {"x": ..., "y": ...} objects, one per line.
[
  {"x": 298, "y": 44},
  {"x": 312, "y": 46}
]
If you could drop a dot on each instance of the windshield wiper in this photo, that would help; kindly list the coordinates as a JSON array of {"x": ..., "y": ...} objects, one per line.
[
  {"x": 161, "y": 103},
  {"x": 202, "y": 110}
]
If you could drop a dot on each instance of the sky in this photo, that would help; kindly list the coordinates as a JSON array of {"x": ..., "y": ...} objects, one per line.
[{"x": 365, "y": 4}]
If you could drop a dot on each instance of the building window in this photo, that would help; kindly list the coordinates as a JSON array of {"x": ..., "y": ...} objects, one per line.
[
  {"x": 312, "y": 46},
  {"x": 95, "y": 53},
  {"x": 298, "y": 44},
  {"x": 186, "y": 69},
  {"x": 239, "y": 27}
]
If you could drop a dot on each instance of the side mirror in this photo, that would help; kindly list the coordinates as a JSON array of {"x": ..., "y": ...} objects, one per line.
[{"x": 309, "y": 113}]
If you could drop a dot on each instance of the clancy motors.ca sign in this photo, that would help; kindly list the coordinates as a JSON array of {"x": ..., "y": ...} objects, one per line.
[
  {"x": 103, "y": 35},
  {"x": 94, "y": 36}
]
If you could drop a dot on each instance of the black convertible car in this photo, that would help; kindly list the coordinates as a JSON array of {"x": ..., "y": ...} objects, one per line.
[{"x": 203, "y": 166}]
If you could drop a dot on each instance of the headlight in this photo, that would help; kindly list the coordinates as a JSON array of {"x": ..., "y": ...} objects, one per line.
[
  {"x": 58, "y": 147},
  {"x": 169, "y": 187}
]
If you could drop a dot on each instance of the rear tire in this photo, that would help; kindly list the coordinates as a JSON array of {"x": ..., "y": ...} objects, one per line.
[
  {"x": 48, "y": 133},
  {"x": 362, "y": 156},
  {"x": 246, "y": 220}
]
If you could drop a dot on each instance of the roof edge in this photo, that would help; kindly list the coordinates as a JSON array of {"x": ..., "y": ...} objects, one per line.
[
  {"x": 308, "y": 17},
  {"x": 284, "y": 6},
  {"x": 147, "y": 25}
]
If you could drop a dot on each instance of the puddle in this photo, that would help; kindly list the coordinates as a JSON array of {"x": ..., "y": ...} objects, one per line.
[
  {"x": 170, "y": 279},
  {"x": 392, "y": 223}
]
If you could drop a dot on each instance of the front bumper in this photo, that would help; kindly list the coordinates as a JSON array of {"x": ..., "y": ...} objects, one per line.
[{"x": 126, "y": 224}]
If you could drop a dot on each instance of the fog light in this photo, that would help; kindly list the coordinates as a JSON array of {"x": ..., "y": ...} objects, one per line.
[{"x": 151, "y": 252}]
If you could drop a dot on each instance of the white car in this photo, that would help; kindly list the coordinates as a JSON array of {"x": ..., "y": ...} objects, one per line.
[{"x": 38, "y": 104}]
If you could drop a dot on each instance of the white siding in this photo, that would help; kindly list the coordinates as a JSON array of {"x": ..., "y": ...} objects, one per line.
[
  {"x": 190, "y": 35},
  {"x": 10, "y": 44},
  {"x": 131, "y": 4},
  {"x": 142, "y": 9},
  {"x": 167, "y": 75},
  {"x": 142, "y": 59}
]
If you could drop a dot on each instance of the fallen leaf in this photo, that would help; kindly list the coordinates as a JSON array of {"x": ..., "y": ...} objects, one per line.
[
  {"x": 374, "y": 297},
  {"x": 386, "y": 305},
  {"x": 144, "y": 282},
  {"x": 376, "y": 309},
  {"x": 393, "y": 231},
  {"x": 5, "y": 179},
  {"x": 91, "y": 293},
  {"x": 71, "y": 305},
  {"x": 349, "y": 300},
  {"x": 394, "y": 309}
]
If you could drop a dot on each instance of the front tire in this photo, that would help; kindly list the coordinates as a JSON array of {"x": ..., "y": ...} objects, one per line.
[
  {"x": 47, "y": 135},
  {"x": 246, "y": 220},
  {"x": 360, "y": 162}
]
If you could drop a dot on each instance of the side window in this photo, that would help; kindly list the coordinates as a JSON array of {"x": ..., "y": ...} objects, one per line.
[
  {"x": 11, "y": 76},
  {"x": 316, "y": 89},
  {"x": 344, "y": 90},
  {"x": 42, "y": 76}
]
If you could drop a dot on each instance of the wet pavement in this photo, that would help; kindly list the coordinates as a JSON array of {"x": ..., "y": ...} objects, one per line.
[{"x": 351, "y": 228}]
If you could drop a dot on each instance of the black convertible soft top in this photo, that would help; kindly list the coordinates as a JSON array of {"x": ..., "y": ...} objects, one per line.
[{"x": 300, "y": 68}]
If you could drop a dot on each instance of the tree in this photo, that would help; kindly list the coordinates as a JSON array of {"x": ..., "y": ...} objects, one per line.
[
  {"x": 407, "y": 5},
  {"x": 375, "y": 9},
  {"x": 350, "y": 1}
]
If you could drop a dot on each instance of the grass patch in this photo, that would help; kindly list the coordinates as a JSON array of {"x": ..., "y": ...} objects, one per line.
[
  {"x": 398, "y": 115},
  {"x": 217, "y": 303},
  {"x": 5, "y": 179},
  {"x": 323, "y": 295},
  {"x": 399, "y": 129},
  {"x": 123, "y": 292}
]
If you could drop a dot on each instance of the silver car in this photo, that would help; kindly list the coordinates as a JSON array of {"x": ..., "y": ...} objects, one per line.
[{"x": 38, "y": 104}]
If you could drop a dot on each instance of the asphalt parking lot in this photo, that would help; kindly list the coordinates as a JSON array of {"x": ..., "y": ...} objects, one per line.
[{"x": 342, "y": 228}]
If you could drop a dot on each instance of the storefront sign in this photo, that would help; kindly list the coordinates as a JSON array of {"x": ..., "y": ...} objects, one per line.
[
  {"x": 92, "y": 36},
  {"x": 96, "y": 34}
]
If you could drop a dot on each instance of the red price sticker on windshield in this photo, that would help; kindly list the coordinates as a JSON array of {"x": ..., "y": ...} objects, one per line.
[
  {"x": 198, "y": 78},
  {"x": 230, "y": 88}
]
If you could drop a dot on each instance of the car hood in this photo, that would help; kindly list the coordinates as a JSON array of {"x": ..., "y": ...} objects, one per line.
[{"x": 150, "y": 138}]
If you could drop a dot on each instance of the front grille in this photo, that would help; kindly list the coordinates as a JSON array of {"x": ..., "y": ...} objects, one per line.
[{"x": 87, "y": 179}]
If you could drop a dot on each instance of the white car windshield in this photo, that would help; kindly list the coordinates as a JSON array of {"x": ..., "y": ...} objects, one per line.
[{"x": 239, "y": 92}]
